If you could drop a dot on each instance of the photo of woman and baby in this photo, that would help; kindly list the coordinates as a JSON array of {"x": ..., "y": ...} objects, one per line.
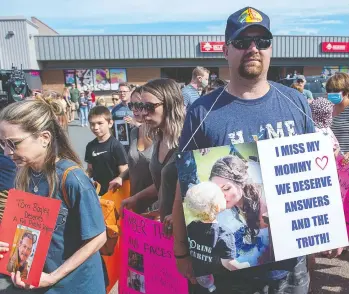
[{"x": 224, "y": 207}]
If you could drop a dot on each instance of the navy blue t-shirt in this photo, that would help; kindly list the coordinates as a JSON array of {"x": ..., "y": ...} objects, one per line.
[
  {"x": 81, "y": 221},
  {"x": 7, "y": 173},
  {"x": 233, "y": 120}
]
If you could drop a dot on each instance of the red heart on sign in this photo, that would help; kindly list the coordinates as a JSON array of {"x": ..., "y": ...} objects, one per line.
[{"x": 322, "y": 162}]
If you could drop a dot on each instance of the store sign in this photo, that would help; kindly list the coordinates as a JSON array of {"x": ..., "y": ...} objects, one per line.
[
  {"x": 336, "y": 47},
  {"x": 211, "y": 47}
]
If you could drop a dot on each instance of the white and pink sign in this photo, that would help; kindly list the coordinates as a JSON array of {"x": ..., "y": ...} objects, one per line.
[{"x": 303, "y": 195}]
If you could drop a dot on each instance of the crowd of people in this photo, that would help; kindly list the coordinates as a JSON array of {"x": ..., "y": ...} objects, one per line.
[{"x": 138, "y": 139}]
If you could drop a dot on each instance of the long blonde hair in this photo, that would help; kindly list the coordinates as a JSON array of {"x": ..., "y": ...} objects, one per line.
[
  {"x": 169, "y": 93},
  {"x": 65, "y": 91},
  {"x": 35, "y": 116}
]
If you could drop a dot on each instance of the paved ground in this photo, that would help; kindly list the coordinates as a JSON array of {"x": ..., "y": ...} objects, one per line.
[
  {"x": 330, "y": 276},
  {"x": 79, "y": 137}
]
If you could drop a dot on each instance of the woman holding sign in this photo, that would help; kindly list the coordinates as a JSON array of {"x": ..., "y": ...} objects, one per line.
[
  {"x": 31, "y": 135},
  {"x": 163, "y": 111}
]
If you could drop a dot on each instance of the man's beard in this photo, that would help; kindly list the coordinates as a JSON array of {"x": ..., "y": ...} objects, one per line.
[{"x": 251, "y": 69}]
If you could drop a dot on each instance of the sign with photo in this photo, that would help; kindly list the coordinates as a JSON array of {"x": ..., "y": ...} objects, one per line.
[
  {"x": 101, "y": 79},
  {"x": 117, "y": 76},
  {"x": 148, "y": 264},
  {"x": 69, "y": 77},
  {"x": 122, "y": 132},
  {"x": 28, "y": 224},
  {"x": 236, "y": 197}
]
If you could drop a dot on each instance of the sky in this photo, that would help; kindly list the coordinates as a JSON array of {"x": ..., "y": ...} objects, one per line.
[{"x": 97, "y": 17}]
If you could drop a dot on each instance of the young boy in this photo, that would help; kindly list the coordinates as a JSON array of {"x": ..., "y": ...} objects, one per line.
[
  {"x": 105, "y": 155},
  {"x": 211, "y": 244}
]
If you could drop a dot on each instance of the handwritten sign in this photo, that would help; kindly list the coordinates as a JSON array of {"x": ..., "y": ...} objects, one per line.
[
  {"x": 303, "y": 195},
  {"x": 148, "y": 264},
  {"x": 27, "y": 225}
]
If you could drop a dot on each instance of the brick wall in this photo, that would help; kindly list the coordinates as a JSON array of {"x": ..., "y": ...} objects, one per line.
[
  {"x": 140, "y": 76},
  {"x": 53, "y": 80}
]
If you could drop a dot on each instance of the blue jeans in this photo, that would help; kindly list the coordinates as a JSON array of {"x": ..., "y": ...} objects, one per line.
[{"x": 83, "y": 115}]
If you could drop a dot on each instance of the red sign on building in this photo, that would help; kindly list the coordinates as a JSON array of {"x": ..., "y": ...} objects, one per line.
[
  {"x": 336, "y": 47},
  {"x": 211, "y": 47}
]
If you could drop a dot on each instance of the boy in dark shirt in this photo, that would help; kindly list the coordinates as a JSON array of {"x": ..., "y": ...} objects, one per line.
[
  {"x": 211, "y": 244},
  {"x": 105, "y": 155}
]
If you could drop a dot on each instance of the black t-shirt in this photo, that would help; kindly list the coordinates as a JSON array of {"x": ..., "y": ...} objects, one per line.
[
  {"x": 208, "y": 244},
  {"x": 105, "y": 158}
]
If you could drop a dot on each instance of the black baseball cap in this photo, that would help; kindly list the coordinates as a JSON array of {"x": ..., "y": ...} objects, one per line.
[{"x": 245, "y": 18}]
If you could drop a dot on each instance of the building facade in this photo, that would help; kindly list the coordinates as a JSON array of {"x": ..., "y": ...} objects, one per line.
[{"x": 103, "y": 61}]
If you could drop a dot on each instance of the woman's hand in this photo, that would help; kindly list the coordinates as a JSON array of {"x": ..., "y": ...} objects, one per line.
[
  {"x": 115, "y": 184},
  {"x": 332, "y": 253},
  {"x": 46, "y": 280},
  {"x": 129, "y": 203},
  {"x": 168, "y": 225},
  {"x": 4, "y": 247},
  {"x": 132, "y": 121}
]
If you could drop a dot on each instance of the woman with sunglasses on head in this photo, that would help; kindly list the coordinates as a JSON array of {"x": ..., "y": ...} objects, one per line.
[
  {"x": 163, "y": 112},
  {"x": 31, "y": 135},
  {"x": 139, "y": 155}
]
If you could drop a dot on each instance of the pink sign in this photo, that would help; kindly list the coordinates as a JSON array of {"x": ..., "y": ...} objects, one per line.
[
  {"x": 343, "y": 177},
  {"x": 148, "y": 264}
]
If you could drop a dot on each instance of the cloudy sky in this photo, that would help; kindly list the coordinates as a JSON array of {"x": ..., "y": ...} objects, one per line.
[{"x": 81, "y": 17}]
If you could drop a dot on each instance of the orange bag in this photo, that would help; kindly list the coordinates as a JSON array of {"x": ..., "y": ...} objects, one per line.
[
  {"x": 112, "y": 262},
  {"x": 111, "y": 217}
]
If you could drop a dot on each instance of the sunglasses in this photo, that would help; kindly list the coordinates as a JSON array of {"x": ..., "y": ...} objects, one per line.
[
  {"x": 12, "y": 145},
  {"x": 141, "y": 106},
  {"x": 243, "y": 43}
]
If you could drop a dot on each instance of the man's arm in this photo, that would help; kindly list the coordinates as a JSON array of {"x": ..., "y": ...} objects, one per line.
[
  {"x": 89, "y": 170},
  {"x": 179, "y": 228},
  {"x": 122, "y": 165}
]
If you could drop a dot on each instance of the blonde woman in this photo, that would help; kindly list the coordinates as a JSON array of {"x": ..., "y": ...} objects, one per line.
[
  {"x": 163, "y": 111},
  {"x": 31, "y": 135},
  {"x": 66, "y": 97},
  {"x": 101, "y": 101}
]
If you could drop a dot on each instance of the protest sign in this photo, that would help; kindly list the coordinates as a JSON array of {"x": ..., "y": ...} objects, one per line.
[
  {"x": 343, "y": 176},
  {"x": 27, "y": 225},
  {"x": 303, "y": 195},
  {"x": 259, "y": 197},
  {"x": 148, "y": 264}
]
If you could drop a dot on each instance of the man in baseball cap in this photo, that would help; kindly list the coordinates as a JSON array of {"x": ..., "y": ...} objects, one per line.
[
  {"x": 301, "y": 81},
  {"x": 248, "y": 109},
  {"x": 246, "y": 18}
]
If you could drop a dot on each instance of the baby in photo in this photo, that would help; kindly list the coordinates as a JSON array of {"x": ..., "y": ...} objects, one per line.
[{"x": 211, "y": 244}]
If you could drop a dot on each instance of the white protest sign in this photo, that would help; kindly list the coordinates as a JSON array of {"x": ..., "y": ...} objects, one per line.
[{"x": 303, "y": 195}]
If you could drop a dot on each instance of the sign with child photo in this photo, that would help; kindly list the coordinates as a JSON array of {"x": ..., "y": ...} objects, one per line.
[{"x": 236, "y": 197}]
